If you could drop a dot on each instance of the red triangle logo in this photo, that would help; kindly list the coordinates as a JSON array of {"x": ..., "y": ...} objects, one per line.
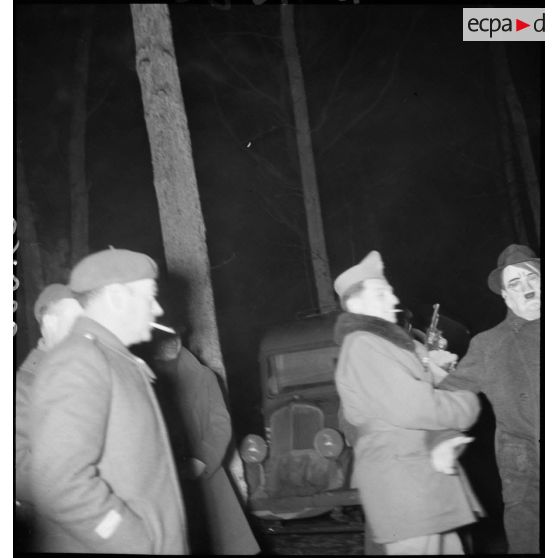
[{"x": 519, "y": 25}]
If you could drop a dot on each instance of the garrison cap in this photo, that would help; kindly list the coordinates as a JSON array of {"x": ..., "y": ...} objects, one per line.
[
  {"x": 111, "y": 266},
  {"x": 514, "y": 254},
  {"x": 371, "y": 267},
  {"x": 49, "y": 295}
]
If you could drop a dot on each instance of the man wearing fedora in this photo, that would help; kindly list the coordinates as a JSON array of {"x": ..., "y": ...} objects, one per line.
[{"x": 504, "y": 364}]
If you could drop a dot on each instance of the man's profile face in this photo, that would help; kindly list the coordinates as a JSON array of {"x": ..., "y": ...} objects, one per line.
[
  {"x": 375, "y": 299},
  {"x": 521, "y": 290},
  {"x": 141, "y": 309},
  {"x": 58, "y": 320}
]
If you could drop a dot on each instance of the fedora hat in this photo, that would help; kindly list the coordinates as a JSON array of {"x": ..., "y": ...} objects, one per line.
[{"x": 512, "y": 255}]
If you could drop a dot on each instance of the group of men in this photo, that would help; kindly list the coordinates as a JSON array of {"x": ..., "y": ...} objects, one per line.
[
  {"x": 410, "y": 413},
  {"x": 95, "y": 469}
]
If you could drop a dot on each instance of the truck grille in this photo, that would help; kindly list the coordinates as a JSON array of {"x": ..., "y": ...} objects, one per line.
[{"x": 294, "y": 427}]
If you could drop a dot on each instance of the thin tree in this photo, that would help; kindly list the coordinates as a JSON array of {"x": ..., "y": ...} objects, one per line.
[
  {"x": 30, "y": 273},
  {"x": 514, "y": 125},
  {"x": 318, "y": 252},
  {"x": 79, "y": 195},
  {"x": 176, "y": 185}
]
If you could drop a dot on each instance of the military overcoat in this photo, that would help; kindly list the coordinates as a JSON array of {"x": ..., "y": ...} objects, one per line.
[{"x": 102, "y": 473}]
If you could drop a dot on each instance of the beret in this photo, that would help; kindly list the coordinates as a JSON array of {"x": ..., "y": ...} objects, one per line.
[
  {"x": 512, "y": 255},
  {"x": 371, "y": 267},
  {"x": 111, "y": 266},
  {"x": 49, "y": 295}
]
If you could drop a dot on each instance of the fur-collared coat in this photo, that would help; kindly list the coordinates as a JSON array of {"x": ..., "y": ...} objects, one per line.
[
  {"x": 389, "y": 395},
  {"x": 102, "y": 474}
]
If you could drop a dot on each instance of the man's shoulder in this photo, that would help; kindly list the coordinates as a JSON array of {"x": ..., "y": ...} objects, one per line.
[
  {"x": 360, "y": 344},
  {"x": 492, "y": 335},
  {"x": 76, "y": 346},
  {"x": 189, "y": 364},
  {"x": 31, "y": 362}
]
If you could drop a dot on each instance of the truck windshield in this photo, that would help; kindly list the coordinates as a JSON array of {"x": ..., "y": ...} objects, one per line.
[{"x": 302, "y": 368}]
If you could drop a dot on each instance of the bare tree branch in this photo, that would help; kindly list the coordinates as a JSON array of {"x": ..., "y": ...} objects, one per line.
[
  {"x": 261, "y": 161},
  {"x": 102, "y": 98},
  {"x": 361, "y": 115},
  {"x": 333, "y": 93},
  {"x": 241, "y": 76}
]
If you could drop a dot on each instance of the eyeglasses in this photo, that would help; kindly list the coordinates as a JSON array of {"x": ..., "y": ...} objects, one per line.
[{"x": 533, "y": 280}]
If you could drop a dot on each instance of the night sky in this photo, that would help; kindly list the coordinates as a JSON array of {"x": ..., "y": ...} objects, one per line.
[{"x": 405, "y": 137}]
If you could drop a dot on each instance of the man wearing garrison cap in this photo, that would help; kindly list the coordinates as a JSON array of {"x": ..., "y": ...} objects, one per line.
[
  {"x": 504, "y": 364},
  {"x": 102, "y": 474},
  {"x": 55, "y": 310},
  {"x": 386, "y": 384}
]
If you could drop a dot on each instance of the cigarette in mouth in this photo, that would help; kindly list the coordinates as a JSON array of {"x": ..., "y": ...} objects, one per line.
[{"x": 162, "y": 327}]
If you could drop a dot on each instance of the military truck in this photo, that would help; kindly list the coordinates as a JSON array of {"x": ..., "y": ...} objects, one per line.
[{"x": 303, "y": 466}]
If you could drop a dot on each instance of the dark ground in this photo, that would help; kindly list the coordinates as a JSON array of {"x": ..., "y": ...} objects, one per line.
[
  {"x": 312, "y": 537},
  {"x": 340, "y": 544}
]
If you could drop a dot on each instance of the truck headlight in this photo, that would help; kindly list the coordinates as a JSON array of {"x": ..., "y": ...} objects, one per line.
[
  {"x": 328, "y": 443},
  {"x": 253, "y": 449}
]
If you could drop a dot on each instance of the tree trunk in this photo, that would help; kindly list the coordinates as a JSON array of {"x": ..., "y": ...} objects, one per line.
[
  {"x": 517, "y": 129},
  {"x": 510, "y": 174},
  {"x": 176, "y": 186},
  {"x": 79, "y": 196},
  {"x": 29, "y": 268},
  {"x": 320, "y": 262},
  {"x": 174, "y": 175}
]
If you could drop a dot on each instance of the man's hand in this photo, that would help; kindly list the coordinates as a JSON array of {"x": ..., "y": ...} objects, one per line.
[
  {"x": 193, "y": 468},
  {"x": 443, "y": 359},
  {"x": 443, "y": 456}
]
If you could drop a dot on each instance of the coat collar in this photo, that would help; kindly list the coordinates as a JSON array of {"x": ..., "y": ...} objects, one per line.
[
  {"x": 349, "y": 322},
  {"x": 515, "y": 322},
  {"x": 93, "y": 330},
  {"x": 90, "y": 328}
]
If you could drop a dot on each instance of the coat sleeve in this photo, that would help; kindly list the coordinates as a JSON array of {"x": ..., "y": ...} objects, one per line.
[
  {"x": 376, "y": 382},
  {"x": 205, "y": 416},
  {"x": 470, "y": 371},
  {"x": 24, "y": 379},
  {"x": 467, "y": 376},
  {"x": 218, "y": 436},
  {"x": 70, "y": 403}
]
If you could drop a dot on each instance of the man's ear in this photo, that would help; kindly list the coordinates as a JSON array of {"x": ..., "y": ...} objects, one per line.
[
  {"x": 49, "y": 323},
  {"x": 116, "y": 295}
]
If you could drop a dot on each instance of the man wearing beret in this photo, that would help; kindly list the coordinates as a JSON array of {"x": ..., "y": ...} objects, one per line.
[
  {"x": 102, "y": 474},
  {"x": 385, "y": 381},
  {"x": 504, "y": 364},
  {"x": 55, "y": 310}
]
